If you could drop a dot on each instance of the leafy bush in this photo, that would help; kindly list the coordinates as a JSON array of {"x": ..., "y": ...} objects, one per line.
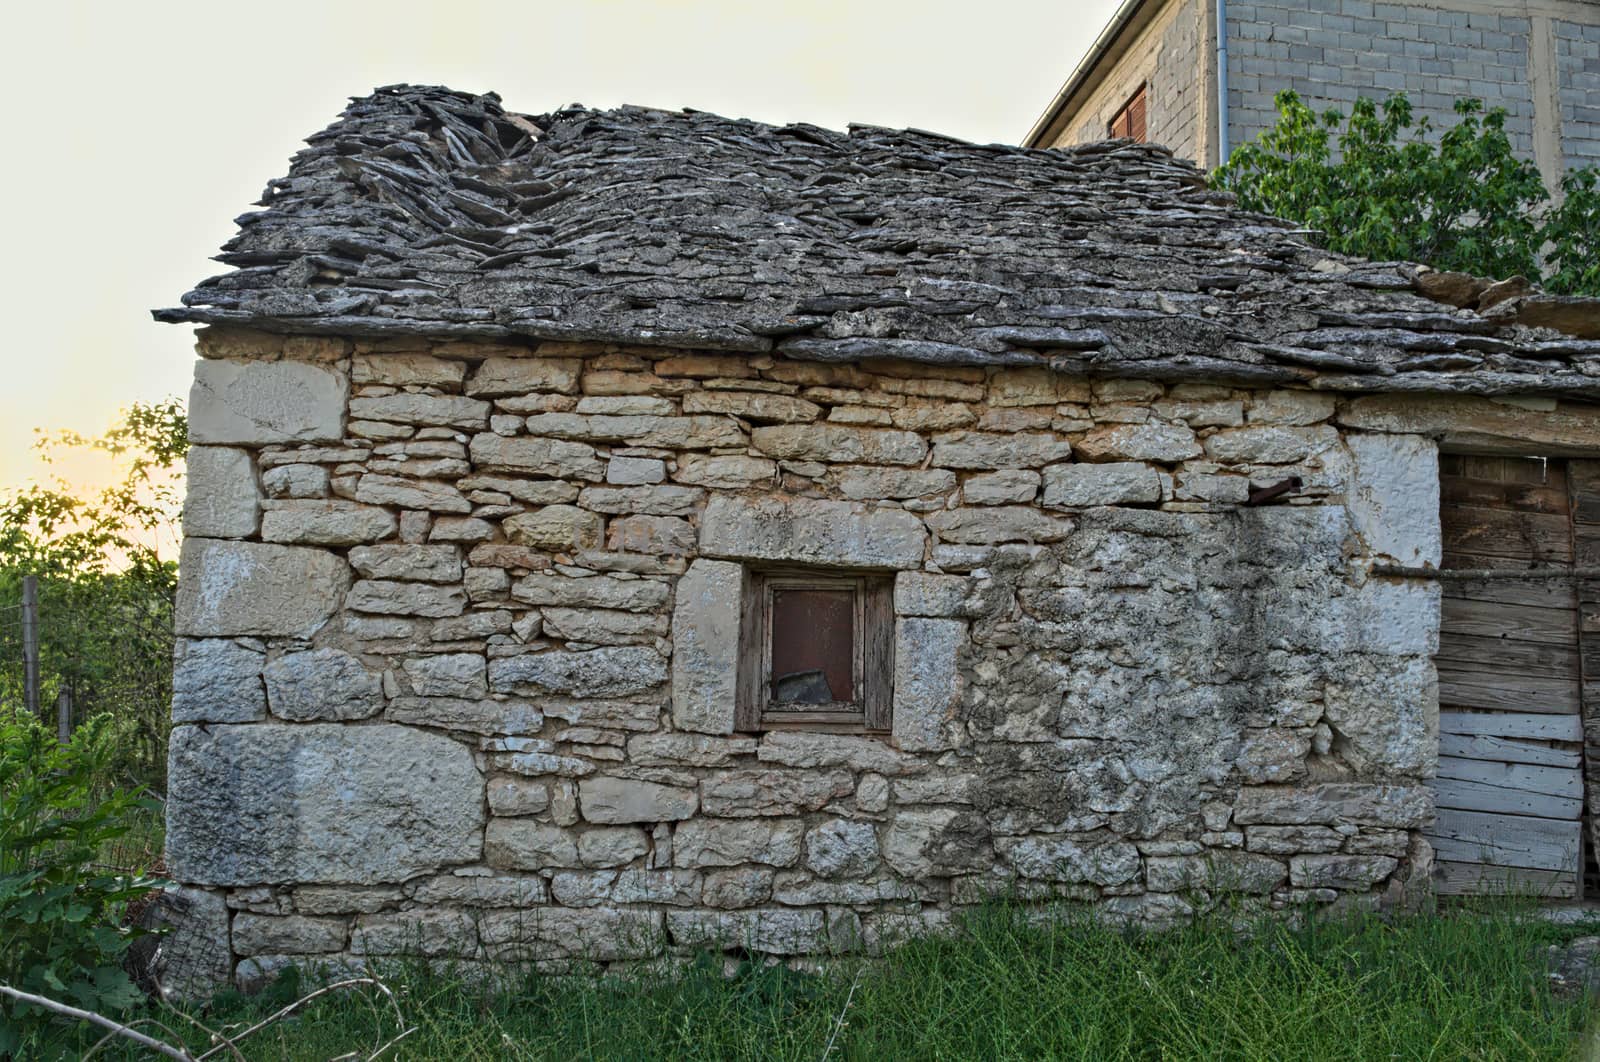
[
  {"x": 1385, "y": 187},
  {"x": 59, "y": 910}
]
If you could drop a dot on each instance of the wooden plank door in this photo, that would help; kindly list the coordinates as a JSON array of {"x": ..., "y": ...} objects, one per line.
[
  {"x": 1583, "y": 478},
  {"x": 1510, "y": 785}
]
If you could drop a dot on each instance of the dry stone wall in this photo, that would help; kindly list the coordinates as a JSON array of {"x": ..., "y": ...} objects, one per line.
[{"x": 459, "y": 622}]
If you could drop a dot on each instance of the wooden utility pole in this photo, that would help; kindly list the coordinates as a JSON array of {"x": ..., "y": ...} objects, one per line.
[{"x": 30, "y": 644}]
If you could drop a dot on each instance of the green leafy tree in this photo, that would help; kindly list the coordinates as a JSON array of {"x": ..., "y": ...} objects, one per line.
[
  {"x": 105, "y": 591},
  {"x": 1384, "y": 186}
]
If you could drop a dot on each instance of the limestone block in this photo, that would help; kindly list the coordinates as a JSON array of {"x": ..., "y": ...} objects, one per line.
[
  {"x": 992, "y": 525},
  {"x": 1462, "y": 420},
  {"x": 839, "y": 443},
  {"x": 555, "y": 527},
  {"x": 633, "y": 471},
  {"x": 736, "y": 794},
  {"x": 1340, "y": 871},
  {"x": 780, "y": 932},
  {"x": 594, "y": 934},
  {"x": 228, "y": 589},
  {"x": 406, "y": 599},
  {"x": 809, "y": 531},
  {"x": 293, "y": 481},
  {"x": 292, "y": 934},
  {"x": 1391, "y": 617},
  {"x": 322, "y": 684},
  {"x": 1034, "y": 387},
  {"x": 616, "y": 800},
  {"x": 1290, "y": 407},
  {"x": 1292, "y": 840},
  {"x": 511, "y": 795},
  {"x": 936, "y": 842},
  {"x": 473, "y": 888},
  {"x": 1218, "y": 871},
  {"x": 325, "y": 523},
  {"x": 927, "y": 594},
  {"x": 1394, "y": 496},
  {"x": 1006, "y": 487},
  {"x": 345, "y": 899},
  {"x": 752, "y": 406},
  {"x": 1200, "y": 413},
  {"x": 518, "y": 376},
  {"x": 406, "y": 493},
  {"x": 428, "y": 564},
  {"x": 927, "y": 682},
  {"x": 724, "y": 471},
  {"x": 318, "y": 803},
  {"x": 1153, "y": 441},
  {"x": 1201, "y": 486},
  {"x": 1112, "y": 483},
  {"x": 535, "y": 457},
  {"x": 674, "y": 433},
  {"x": 972, "y": 449},
  {"x": 653, "y": 535},
  {"x": 705, "y": 649},
  {"x": 871, "y": 484},
  {"x": 407, "y": 370},
  {"x": 742, "y": 887},
  {"x": 799, "y": 748},
  {"x": 456, "y": 529},
  {"x": 193, "y": 956},
  {"x": 664, "y": 500},
  {"x": 469, "y": 414},
  {"x": 1271, "y": 444},
  {"x": 420, "y": 934},
  {"x": 612, "y": 671},
  {"x": 522, "y": 844},
  {"x": 705, "y": 842},
  {"x": 678, "y": 888},
  {"x": 594, "y": 591},
  {"x": 610, "y": 846},
  {"x": 1064, "y": 859},
  {"x": 1332, "y": 803},
  {"x": 1273, "y": 755},
  {"x": 687, "y": 750},
  {"x": 222, "y": 499},
  {"x": 1385, "y": 714},
  {"x": 842, "y": 849},
  {"x": 600, "y": 626},
  {"x": 259, "y": 402},
  {"x": 448, "y": 675},
  {"x": 217, "y": 681},
  {"x": 626, "y": 405}
]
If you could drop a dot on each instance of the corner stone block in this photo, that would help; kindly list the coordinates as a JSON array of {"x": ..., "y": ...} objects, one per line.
[
  {"x": 808, "y": 531},
  {"x": 260, "y": 402},
  {"x": 222, "y": 499},
  {"x": 705, "y": 653},
  {"x": 226, "y": 589},
  {"x": 217, "y": 681},
  {"x": 1394, "y": 496},
  {"x": 927, "y": 683},
  {"x": 319, "y": 802}
]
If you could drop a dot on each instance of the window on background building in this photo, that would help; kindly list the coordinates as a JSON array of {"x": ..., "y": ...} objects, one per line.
[
  {"x": 1129, "y": 122},
  {"x": 816, "y": 650}
]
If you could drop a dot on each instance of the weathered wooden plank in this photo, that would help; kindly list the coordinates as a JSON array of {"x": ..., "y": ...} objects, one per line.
[
  {"x": 1477, "y": 653},
  {"x": 1505, "y": 840},
  {"x": 1503, "y": 533},
  {"x": 1508, "y": 690},
  {"x": 1529, "y": 471},
  {"x": 1508, "y": 750},
  {"x": 1536, "y": 592},
  {"x": 1464, "y": 795},
  {"x": 1476, "y": 879},
  {"x": 1483, "y": 493},
  {"x": 1525, "y": 623},
  {"x": 1532, "y": 778},
  {"x": 1512, "y": 725}
]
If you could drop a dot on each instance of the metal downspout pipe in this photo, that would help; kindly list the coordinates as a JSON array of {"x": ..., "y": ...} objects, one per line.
[{"x": 1222, "y": 82}]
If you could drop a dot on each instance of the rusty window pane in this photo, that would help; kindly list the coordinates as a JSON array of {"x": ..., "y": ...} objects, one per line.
[{"x": 813, "y": 646}]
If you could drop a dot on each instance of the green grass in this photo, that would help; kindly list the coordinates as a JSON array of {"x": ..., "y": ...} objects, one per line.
[{"x": 1425, "y": 987}]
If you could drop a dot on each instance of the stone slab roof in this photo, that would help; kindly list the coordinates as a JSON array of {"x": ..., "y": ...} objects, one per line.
[{"x": 429, "y": 212}]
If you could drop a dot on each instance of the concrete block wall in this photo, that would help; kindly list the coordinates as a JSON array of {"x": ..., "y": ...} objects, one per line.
[
  {"x": 1578, "y": 89},
  {"x": 1333, "y": 51}
]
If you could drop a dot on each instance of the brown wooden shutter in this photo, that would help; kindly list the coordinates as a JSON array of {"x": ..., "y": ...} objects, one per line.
[
  {"x": 750, "y": 696},
  {"x": 879, "y": 655}
]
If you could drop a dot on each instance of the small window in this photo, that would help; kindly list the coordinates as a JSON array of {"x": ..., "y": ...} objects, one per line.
[
  {"x": 817, "y": 651},
  {"x": 1130, "y": 120}
]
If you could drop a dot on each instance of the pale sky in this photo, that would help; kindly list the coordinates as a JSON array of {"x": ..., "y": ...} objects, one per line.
[{"x": 136, "y": 132}]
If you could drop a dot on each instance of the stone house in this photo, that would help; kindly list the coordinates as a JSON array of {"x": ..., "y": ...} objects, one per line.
[
  {"x": 1153, "y": 72},
  {"x": 611, "y": 534}
]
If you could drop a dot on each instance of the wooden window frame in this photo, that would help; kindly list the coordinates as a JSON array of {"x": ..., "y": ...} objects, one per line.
[
  {"x": 1141, "y": 96},
  {"x": 872, "y": 652}
]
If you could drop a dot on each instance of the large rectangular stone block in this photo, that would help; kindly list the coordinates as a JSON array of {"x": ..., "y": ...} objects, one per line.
[
  {"x": 259, "y": 402},
  {"x": 228, "y": 588},
  {"x": 222, "y": 499},
  {"x": 705, "y": 651},
  {"x": 808, "y": 531},
  {"x": 927, "y": 681},
  {"x": 317, "y": 802}
]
